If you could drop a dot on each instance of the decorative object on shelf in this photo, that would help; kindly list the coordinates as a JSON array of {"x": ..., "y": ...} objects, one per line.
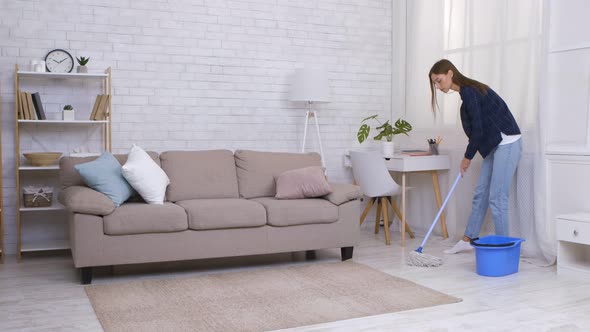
[
  {"x": 387, "y": 131},
  {"x": 83, "y": 151},
  {"x": 82, "y": 61},
  {"x": 59, "y": 61},
  {"x": 68, "y": 113},
  {"x": 311, "y": 85},
  {"x": 42, "y": 158},
  {"x": 37, "y": 196},
  {"x": 38, "y": 66}
]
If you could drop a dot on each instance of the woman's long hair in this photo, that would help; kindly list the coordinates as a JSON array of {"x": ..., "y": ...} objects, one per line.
[{"x": 442, "y": 67}]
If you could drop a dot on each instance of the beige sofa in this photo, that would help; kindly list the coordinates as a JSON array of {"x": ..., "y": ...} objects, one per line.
[{"x": 218, "y": 204}]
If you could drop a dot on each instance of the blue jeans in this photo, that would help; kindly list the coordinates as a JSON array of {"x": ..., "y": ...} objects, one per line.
[{"x": 493, "y": 188}]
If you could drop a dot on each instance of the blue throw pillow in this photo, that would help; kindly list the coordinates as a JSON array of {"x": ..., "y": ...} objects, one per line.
[{"x": 104, "y": 175}]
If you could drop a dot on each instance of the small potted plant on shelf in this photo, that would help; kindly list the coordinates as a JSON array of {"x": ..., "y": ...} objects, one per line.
[
  {"x": 387, "y": 131},
  {"x": 82, "y": 61},
  {"x": 68, "y": 113}
]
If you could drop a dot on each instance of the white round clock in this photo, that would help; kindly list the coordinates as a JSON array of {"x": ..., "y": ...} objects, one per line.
[{"x": 59, "y": 61}]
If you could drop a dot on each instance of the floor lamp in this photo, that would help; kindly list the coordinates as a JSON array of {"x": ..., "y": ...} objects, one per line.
[{"x": 311, "y": 85}]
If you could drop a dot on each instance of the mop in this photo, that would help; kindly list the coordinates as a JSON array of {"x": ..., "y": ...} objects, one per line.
[{"x": 417, "y": 258}]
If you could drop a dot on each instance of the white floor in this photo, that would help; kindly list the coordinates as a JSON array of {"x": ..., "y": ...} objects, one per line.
[{"x": 43, "y": 292}]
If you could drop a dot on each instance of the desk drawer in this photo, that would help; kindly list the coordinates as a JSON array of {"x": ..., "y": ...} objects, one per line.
[
  {"x": 405, "y": 163},
  {"x": 573, "y": 231}
]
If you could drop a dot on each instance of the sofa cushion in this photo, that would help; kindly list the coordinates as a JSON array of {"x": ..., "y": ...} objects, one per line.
[
  {"x": 280, "y": 212},
  {"x": 257, "y": 170},
  {"x": 343, "y": 192},
  {"x": 139, "y": 218},
  {"x": 68, "y": 175},
  {"x": 223, "y": 213},
  {"x": 104, "y": 175},
  {"x": 145, "y": 176},
  {"x": 200, "y": 174},
  {"x": 307, "y": 182}
]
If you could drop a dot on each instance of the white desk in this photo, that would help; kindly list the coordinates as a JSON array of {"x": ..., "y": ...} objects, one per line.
[{"x": 409, "y": 164}]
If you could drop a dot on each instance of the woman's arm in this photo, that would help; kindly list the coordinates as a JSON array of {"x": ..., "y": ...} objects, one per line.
[
  {"x": 465, "y": 165},
  {"x": 473, "y": 109}
]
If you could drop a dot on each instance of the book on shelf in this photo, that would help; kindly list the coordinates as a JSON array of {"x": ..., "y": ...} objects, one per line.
[
  {"x": 19, "y": 107},
  {"x": 22, "y": 105},
  {"x": 32, "y": 114},
  {"x": 101, "y": 112},
  {"x": 26, "y": 104},
  {"x": 107, "y": 108},
  {"x": 95, "y": 107},
  {"x": 38, "y": 106}
]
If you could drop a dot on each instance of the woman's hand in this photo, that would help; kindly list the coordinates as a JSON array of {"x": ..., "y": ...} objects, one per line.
[{"x": 464, "y": 165}]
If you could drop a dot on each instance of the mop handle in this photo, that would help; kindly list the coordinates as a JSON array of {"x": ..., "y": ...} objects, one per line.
[{"x": 441, "y": 210}]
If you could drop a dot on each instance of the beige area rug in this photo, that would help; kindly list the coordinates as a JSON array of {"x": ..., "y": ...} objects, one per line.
[{"x": 258, "y": 300}]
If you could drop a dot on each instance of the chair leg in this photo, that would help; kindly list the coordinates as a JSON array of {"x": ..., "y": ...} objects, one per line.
[
  {"x": 384, "y": 207},
  {"x": 367, "y": 209},
  {"x": 399, "y": 215},
  {"x": 378, "y": 215}
]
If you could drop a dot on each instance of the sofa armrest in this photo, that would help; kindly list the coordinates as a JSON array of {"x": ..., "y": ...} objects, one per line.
[
  {"x": 343, "y": 192},
  {"x": 85, "y": 200}
]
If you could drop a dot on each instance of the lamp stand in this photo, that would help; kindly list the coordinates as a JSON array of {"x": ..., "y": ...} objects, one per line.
[{"x": 312, "y": 114}]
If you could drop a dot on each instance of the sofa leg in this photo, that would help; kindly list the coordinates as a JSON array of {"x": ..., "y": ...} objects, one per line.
[
  {"x": 86, "y": 273},
  {"x": 346, "y": 253},
  {"x": 310, "y": 254}
]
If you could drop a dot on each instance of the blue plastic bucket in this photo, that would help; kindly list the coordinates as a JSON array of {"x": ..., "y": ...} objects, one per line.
[{"x": 496, "y": 255}]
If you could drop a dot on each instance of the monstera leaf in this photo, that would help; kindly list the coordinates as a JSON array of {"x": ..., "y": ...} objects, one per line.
[
  {"x": 402, "y": 127},
  {"x": 387, "y": 131},
  {"x": 363, "y": 132}
]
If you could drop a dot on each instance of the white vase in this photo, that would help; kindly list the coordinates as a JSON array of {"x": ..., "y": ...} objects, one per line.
[{"x": 387, "y": 149}]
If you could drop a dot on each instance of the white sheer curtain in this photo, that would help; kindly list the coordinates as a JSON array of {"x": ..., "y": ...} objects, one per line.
[{"x": 499, "y": 43}]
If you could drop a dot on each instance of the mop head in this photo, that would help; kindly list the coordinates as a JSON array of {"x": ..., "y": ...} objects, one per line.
[{"x": 416, "y": 258}]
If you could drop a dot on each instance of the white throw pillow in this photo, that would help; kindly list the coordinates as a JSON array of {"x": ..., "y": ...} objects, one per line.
[{"x": 145, "y": 176}]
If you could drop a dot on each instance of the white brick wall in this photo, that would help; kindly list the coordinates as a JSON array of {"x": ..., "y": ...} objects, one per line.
[{"x": 208, "y": 74}]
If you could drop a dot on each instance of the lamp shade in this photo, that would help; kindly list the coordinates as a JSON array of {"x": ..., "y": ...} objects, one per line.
[{"x": 311, "y": 85}]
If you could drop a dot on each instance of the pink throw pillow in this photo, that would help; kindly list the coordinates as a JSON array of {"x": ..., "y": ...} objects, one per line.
[{"x": 304, "y": 182}]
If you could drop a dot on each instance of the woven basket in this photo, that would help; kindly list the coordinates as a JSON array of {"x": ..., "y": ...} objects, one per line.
[{"x": 40, "y": 199}]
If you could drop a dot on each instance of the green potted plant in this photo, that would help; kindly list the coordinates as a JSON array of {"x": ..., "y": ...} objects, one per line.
[
  {"x": 386, "y": 130},
  {"x": 68, "y": 113},
  {"x": 82, "y": 61}
]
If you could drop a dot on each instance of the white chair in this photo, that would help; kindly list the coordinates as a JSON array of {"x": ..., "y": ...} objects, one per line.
[{"x": 371, "y": 174}]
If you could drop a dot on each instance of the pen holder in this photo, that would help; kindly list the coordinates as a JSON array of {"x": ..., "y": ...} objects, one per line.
[{"x": 433, "y": 148}]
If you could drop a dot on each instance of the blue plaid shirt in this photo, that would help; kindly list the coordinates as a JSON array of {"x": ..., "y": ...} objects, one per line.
[{"x": 484, "y": 117}]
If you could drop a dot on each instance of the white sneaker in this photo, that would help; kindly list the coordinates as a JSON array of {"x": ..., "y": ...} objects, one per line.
[{"x": 460, "y": 246}]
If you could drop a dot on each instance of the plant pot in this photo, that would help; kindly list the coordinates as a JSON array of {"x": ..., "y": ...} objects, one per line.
[
  {"x": 387, "y": 149},
  {"x": 68, "y": 115},
  {"x": 82, "y": 69}
]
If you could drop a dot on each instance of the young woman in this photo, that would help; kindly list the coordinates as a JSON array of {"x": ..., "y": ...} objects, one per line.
[{"x": 493, "y": 132}]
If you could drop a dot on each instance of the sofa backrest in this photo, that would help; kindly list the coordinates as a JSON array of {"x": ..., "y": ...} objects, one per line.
[
  {"x": 257, "y": 170},
  {"x": 69, "y": 176},
  {"x": 200, "y": 174}
]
